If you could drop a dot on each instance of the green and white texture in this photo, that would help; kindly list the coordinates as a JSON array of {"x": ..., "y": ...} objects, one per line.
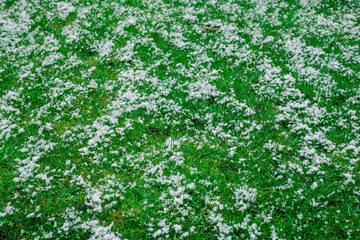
[{"x": 125, "y": 119}]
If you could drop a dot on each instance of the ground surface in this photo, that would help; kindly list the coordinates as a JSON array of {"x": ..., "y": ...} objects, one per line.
[{"x": 128, "y": 120}]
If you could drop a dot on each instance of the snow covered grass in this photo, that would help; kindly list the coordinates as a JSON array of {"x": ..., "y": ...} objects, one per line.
[{"x": 129, "y": 120}]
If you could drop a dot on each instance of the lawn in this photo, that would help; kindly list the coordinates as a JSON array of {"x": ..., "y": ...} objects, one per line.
[{"x": 179, "y": 119}]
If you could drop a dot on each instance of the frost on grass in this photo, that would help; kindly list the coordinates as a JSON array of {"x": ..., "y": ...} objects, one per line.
[{"x": 248, "y": 132}]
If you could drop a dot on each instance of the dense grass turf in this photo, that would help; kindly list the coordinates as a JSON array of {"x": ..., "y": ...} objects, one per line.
[{"x": 129, "y": 120}]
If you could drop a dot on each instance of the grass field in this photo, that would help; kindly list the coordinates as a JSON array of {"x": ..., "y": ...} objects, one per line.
[{"x": 130, "y": 120}]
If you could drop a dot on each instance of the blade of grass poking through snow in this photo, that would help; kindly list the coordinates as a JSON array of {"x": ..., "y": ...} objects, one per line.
[{"x": 179, "y": 119}]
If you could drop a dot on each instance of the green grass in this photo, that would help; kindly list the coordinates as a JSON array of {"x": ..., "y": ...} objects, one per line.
[{"x": 186, "y": 134}]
